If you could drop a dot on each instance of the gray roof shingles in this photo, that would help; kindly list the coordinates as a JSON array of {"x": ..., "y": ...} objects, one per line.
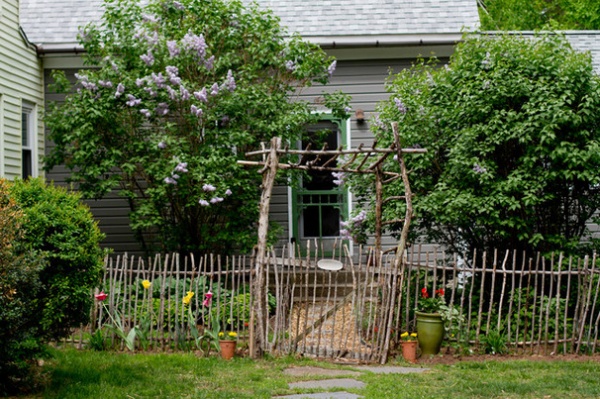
[{"x": 57, "y": 21}]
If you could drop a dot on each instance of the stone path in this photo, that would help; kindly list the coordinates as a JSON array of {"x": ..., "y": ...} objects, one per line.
[{"x": 338, "y": 382}]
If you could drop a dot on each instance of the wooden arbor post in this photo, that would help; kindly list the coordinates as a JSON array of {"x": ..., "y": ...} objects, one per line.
[{"x": 258, "y": 314}]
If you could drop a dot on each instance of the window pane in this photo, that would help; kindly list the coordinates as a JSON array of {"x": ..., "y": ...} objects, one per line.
[
  {"x": 26, "y": 167},
  {"x": 25, "y": 129}
]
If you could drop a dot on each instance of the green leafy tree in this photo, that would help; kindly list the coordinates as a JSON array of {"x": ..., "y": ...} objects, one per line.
[
  {"x": 539, "y": 14},
  {"x": 512, "y": 133},
  {"x": 181, "y": 91}
]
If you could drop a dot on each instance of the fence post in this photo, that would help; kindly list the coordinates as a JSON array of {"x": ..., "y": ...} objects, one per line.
[{"x": 258, "y": 315}]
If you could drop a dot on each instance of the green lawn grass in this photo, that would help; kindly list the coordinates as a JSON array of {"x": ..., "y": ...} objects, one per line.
[{"x": 87, "y": 374}]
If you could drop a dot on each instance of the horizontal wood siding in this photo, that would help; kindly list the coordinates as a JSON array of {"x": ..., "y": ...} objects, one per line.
[{"x": 21, "y": 80}]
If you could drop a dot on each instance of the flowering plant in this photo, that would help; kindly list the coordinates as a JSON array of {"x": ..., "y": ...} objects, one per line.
[
  {"x": 431, "y": 303},
  {"x": 408, "y": 337},
  {"x": 228, "y": 335}
]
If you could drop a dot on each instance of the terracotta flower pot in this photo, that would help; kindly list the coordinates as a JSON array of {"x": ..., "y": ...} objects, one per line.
[
  {"x": 430, "y": 332},
  {"x": 227, "y": 348},
  {"x": 409, "y": 351}
]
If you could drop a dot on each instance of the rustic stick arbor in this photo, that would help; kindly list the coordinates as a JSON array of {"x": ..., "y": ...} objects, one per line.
[{"x": 358, "y": 160}]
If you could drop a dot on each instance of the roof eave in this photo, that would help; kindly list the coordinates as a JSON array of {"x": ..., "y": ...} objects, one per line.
[
  {"x": 420, "y": 39},
  {"x": 345, "y": 41}
]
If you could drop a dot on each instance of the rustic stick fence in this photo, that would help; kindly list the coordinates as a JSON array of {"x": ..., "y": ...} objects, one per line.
[{"x": 531, "y": 304}]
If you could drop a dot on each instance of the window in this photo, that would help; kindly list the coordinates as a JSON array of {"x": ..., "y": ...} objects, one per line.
[
  {"x": 28, "y": 141},
  {"x": 319, "y": 205}
]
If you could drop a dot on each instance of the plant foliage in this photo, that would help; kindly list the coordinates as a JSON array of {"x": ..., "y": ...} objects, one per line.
[
  {"x": 512, "y": 135},
  {"x": 539, "y": 14},
  {"x": 181, "y": 91},
  {"x": 50, "y": 260}
]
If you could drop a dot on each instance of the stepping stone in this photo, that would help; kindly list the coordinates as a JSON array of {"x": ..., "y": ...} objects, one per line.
[
  {"x": 323, "y": 395},
  {"x": 326, "y": 384},
  {"x": 310, "y": 370},
  {"x": 390, "y": 369}
]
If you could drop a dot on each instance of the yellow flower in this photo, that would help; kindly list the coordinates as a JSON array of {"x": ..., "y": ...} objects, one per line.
[
  {"x": 221, "y": 334},
  {"x": 146, "y": 284},
  {"x": 188, "y": 298},
  {"x": 232, "y": 334},
  {"x": 414, "y": 335},
  {"x": 404, "y": 334}
]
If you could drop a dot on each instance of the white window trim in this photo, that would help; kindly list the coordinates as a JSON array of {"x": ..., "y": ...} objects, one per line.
[{"x": 30, "y": 109}]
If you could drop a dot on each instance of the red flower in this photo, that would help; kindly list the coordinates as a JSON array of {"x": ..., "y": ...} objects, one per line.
[
  {"x": 424, "y": 293},
  {"x": 440, "y": 292},
  {"x": 101, "y": 296}
]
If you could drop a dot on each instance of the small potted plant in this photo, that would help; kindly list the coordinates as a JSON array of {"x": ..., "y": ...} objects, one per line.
[
  {"x": 227, "y": 342},
  {"x": 409, "y": 346},
  {"x": 430, "y": 325}
]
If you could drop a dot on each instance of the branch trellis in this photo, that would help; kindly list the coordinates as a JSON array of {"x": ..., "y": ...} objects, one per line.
[{"x": 360, "y": 160}]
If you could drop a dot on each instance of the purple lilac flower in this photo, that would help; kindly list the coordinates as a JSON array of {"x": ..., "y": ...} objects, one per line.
[
  {"x": 172, "y": 93},
  {"x": 181, "y": 167},
  {"x": 331, "y": 68},
  {"x": 479, "y": 169},
  {"x": 148, "y": 58},
  {"x": 175, "y": 80},
  {"x": 145, "y": 112},
  {"x": 290, "y": 65},
  {"x": 228, "y": 192},
  {"x": 216, "y": 200},
  {"x": 201, "y": 95},
  {"x": 196, "y": 111},
  {"x": 214, "y": 90},
  {"x": 178, "y": 5},
  {"x": 162, "y": 109},
  {"x": 208, "y": 188},
  {"x": 345, "y": 234},
  {"x": 139, "y": 82},
  {"x": 149, "y": 18},
  {"x": 210, "y": 62},
  {"x": 162, "y": 145},
  {"x": 150, "y": 91},
  {"x": 170, "y": 180},
  {"x": 172, "y": 70},
  {"x": 158, "y": 79},
  {"x": 173, "y": 49},
  {"x": 400, "y": 105},
  {"x": 83, "y": 78},
  {"x": 338, "y": 178},
  {"x": 203, "y": 202},
  {"x": 152, "y": 40},
  {"x": 132, "y": 101},
  {"x": 347, "y": 109},
  {"x": 175, "y": 176},
  {"x": 229, "y": 82},
  {"x": 89, "y": 85},
  {"x": 185, "y": 94},
  {"x": 114, "y": 66},
  {"x": 120, "y": 90},
  {"x": 105, "y": 83},
  {"x": 194, "y": 42}
]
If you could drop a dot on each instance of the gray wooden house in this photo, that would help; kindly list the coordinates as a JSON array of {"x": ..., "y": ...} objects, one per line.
[{"x": 369, "y": 39}]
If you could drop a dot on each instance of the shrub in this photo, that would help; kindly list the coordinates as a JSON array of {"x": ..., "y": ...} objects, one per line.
[
  {"x": 50, "y": 260},
  {"x": 63, "y": 231},
  {"x": 19, "y": 282}
]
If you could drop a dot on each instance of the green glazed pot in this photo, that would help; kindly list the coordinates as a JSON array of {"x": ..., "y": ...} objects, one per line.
[{"x": 430, "y": 332}]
